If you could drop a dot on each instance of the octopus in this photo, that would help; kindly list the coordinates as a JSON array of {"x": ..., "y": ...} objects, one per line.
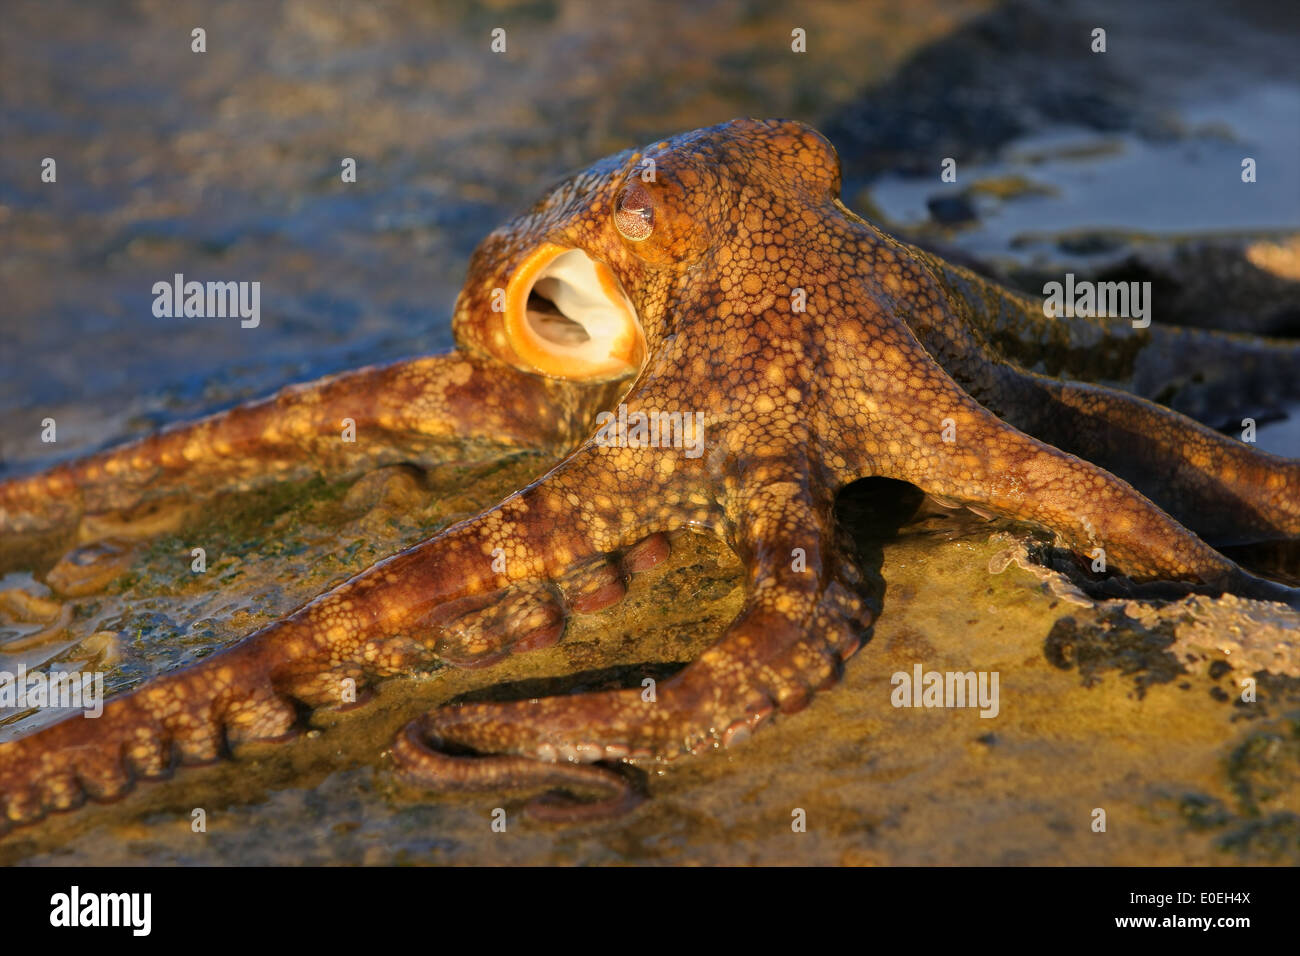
[{"x": 705, "y": 338}]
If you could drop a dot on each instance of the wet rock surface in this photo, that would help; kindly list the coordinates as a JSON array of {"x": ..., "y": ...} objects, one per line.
[{"x": 1141, "y": 716}]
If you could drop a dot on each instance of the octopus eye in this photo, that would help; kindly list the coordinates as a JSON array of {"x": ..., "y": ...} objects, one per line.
[{"x": 634, "y": 215}]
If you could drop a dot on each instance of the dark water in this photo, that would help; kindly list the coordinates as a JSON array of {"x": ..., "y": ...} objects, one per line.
[{"x": 226, "y": 165}]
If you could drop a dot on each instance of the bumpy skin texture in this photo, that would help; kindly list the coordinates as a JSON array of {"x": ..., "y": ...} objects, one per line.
[{"x": 818, "y": 351}]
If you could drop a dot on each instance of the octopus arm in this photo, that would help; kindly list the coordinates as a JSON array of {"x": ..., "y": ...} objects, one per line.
[
  {"x": 503, "y": 581},
  {"x": 1213, "y": 376},
  {"x": 1224, "y": 490},
  {"x": 802, "y": 619},
  {"x": 458, "y": 406}
]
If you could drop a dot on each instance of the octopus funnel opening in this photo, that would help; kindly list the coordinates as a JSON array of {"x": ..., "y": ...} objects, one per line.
[{"x": 568, "y": 317}]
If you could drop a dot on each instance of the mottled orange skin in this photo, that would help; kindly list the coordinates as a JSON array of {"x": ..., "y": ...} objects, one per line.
[{"x": 884, "y": 354}]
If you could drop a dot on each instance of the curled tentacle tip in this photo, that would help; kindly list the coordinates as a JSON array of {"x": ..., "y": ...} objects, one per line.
[
  {"x": 420, "y": 761},
  {"x": 560, "y": 807}
]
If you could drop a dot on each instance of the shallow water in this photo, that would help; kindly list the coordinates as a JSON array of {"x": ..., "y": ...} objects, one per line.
[
  {"x": 1162, "y": 182},
  {"x": 227, "y": 167}
]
